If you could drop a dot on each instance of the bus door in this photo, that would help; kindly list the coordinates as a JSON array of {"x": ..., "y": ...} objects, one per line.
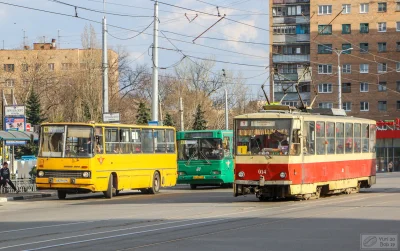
[{"x": 227, "y": 164}]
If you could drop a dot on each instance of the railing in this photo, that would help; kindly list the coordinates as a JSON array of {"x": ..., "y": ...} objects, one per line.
[
  {"x": 303, "y": 37},
  {"x": 290, "y": 58},
  {"x": 302, "y": 19},
  {"x": 284, "y": 20},
  {"x": 289, "y": 1},
  {"x": 286, "y": 76},
  {"x": 22, "y": 185},
  {"x": 281, "y": 38}
]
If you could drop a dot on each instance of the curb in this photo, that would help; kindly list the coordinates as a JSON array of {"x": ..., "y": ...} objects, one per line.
[{"x": 27, "y": 197}]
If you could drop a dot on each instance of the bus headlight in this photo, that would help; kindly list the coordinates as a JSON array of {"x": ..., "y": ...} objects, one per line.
[
  {"x": 283, "y": 175},
  {"x": 241, "y": 174},
  {"x": 216, "y": 172},
  {"x": 40, "y": 173},
  {"x": 86, "y": 174}
]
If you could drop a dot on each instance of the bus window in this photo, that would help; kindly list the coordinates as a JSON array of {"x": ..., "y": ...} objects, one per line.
[
  {"x": 330, "y": 137},
  {"x": 321, "y": 149},
  {"x": 211, "y": 149},
  {"x": 98, "y": 142},
  {"x": 349, "y": 137},
  {"x": 365, "y": 138},
  {"x": 226, "y": 145},
  {"x": 159, "y": 137},
  {"x": 147, "y": 141},
  {"x": 309, "y": 137},
  {"x": 112, "y": 141},
  {"x": 79, "y": 141},
  {"x": 357, "y": 138},
  {"x": 170, "y": 141},
  {"x": 51, "y": 144},
  {"x": 339, "y": 138},
  {"x": 124, "y": 140},
  {"x": 136, "y": 142},
  {"x": 372, "y": 139}
]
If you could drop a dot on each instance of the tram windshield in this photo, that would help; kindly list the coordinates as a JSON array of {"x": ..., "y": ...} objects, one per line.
[{"x": 263, "y": 137}]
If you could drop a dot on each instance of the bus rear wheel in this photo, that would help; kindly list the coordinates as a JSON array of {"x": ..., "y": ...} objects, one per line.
[
  {"x": 61, "y": 195},
  {"x": 109, "y": 192},
  {"x": 193, "y": 186},
  {"x": 155, "y": 188}
]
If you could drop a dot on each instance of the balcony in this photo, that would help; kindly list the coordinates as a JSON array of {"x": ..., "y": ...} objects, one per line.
[
  {"x": 289, "y": 1},
  {"x": 284, "y": 20},
  {"x": 302, "y": 37},
  {"x": 286, "y": 77},
  {"x": 302, "y": 19},
  {"x": 281, "y": 38},
  {"x": 290, "y": 58},
  {"x": 307, "y": 76}
]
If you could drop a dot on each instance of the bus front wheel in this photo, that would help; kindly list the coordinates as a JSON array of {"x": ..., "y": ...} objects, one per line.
[
  {"x": 155, "y": 188},
  {"x": 61, "y": 195},
  {"x": 109, "y": 192}
]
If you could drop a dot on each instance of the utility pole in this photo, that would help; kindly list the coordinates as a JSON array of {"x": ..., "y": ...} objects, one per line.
[
  {"x": 226, "y": 102},
  {"x": 181, "y": 113},
  {"x": 105, "y": 63},
  {"x": 58, "y": 39},
  {"x": 24, "y": 39},
  {"x": 154, "y": 106}
]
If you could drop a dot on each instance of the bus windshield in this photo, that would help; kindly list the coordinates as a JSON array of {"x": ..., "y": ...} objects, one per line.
[
  {"x": 263, "y": 137},
  {"x": 195, "y": 149},
  {"x": 66, "y": 141}
]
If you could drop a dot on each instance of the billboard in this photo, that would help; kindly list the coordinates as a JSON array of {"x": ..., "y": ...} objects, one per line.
[
  {"x": 14, "y": 111},
  {"x": 14, "y": 124}
]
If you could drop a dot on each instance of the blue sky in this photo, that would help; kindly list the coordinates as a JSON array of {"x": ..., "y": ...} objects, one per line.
[{"x": 13, "y": 20}]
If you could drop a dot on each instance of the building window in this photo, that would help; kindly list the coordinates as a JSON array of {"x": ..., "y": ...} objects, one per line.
[
  {"x": 364, "y": 106},
  {"x": 37, "y": 66},
  {"x": 382, "y": 67},
  {"x": 325, "y": 88},
  {"x": 325, "y": 105},
  {"x": 9, "y": 67},
  {"x": 364, "y": 87},
  {"x": 382, "y": 106},
  {"x": 324, "y": 9},
  {"x": 346, "y": 68},
  {"x": 397, "y": 46},
  {"x": 364, "y": 28},
  {"x": 51, "y": 67},
  {"x": 290, "y": 103},
  {"x": 398, "y": 105},
  {"x": 382, "y": 86},
  {"x": 398, "y": 6},
  {"x": 398, "y": 86},
  {"x": 382, "y": 47},
  {"x": 346, "y": 87},
  {"x": 325, "y": 69},
  {"x": 397, "y": 26},
  {"x": 25, "y": 67},
  {"x": 346, "y": 8},
  {"x": 325, "y": 29},
  {"x": 346, "y": 47},
  {"x": 364, "y": 8},
  {"x": 305, "y": 88},
  {"x": 347, "y": 106},
  {"x": 398, "y": 66},
  {"x": 325, "y": 49},
  {"x": 382, "y": 27},
  {"x": 346, "y": 28},
  {"x": 66, "y": 66},
  {"x": 9, "y": 82},
  {"x": 364, "y": 68},
  {"x": 382, "y": 7},
  {"x": 364, "y": 47},
  {"x": 285, "y": 30}
]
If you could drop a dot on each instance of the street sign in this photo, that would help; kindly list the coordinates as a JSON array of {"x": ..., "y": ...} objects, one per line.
[
  {"x": 28, "y": 127},
  {"x": 111, "y": 117},
  {"x": 153, "y": 123},
  {"x": 14, "y": 111}
]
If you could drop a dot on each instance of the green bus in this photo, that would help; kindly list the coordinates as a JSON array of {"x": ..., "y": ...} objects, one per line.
[{"x": 205, "y": 158}]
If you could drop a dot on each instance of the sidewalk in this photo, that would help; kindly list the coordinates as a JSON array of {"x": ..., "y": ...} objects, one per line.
[{"x": 4, "y": 197}]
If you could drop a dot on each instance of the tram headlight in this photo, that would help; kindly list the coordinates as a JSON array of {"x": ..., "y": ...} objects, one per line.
[
  {"x": 241, "y": 174},
  {"x": 40, "y": 173},
  {"x": 282, "y": 175},
  {"x": 86, "y": 174}
]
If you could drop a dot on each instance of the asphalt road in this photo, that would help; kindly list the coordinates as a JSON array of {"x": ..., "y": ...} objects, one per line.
[{"x": 204, "y": 219}]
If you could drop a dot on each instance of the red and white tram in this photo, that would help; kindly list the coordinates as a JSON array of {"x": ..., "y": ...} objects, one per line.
[{"x": 288, "y": 153}]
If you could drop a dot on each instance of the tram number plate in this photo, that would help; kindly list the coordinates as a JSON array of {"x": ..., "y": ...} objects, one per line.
[
  {"x": 61, "y": 180},
  {"x": 198, "y": 177}
]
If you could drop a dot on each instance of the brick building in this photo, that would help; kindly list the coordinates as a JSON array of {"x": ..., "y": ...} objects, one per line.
[{"x": 370, "y": 79}]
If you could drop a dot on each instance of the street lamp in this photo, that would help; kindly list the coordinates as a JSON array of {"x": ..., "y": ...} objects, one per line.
[{"x": 339, "y": 52}]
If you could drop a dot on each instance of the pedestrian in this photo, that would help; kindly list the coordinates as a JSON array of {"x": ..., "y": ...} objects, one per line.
[
  {"x": 5, "y": 177},
  {"x": 390, "y": 166}
]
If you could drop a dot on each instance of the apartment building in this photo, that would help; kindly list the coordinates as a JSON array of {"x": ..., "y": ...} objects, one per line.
[{"x": 361, "y": 37}]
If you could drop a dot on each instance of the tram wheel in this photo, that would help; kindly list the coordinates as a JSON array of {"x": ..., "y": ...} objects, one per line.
[
  {"x": 155, "y": 188},
  {"x": 61, "y": 195},
  {"x": 193, "y": 186},
  {"x": 318, "y": 193}
]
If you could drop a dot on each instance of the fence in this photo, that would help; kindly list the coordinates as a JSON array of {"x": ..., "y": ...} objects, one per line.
[{"x": 22, "y": 185}]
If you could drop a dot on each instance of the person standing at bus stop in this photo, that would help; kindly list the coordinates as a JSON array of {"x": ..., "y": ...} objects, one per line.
[{"x": 5, "y": 177}]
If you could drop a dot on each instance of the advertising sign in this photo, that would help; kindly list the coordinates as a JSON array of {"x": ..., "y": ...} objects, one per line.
[
  {"x": 111, "y": 117},
  {"x": 14, "y": 111},
  {"x": 14, "y": 124}
]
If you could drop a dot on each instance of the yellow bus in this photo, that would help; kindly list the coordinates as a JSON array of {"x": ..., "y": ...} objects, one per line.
[{"x": 90, "y": 157}]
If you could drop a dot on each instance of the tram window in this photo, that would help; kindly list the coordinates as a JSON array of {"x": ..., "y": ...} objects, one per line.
[
  {"x": 349, "y": 137},
  {"x": 357, "y": 138},
  {"x": 124, "y": 140},
  {"x": 365, "y": 138},
  {"x": 339, "y": 138},
  {"x": 309, "y": 137},
  {"x": 372, "y": 137},
  {"x": 321, "y": 150},
  {"x": 159, "y": 137},
  {"x": 295, "y": 145},
  {"x": 147, "y": 141},
  {"x": 112, "y": 141},
  {"x": 170, "y": 140},
  {"x": 330, "y": 137},
  {"x": 136, "y": 142}
]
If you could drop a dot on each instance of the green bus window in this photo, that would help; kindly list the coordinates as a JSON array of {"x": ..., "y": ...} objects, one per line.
[
  {"x": 357, "y": 138},
  {"x": 112, "y": 141},
  {"x": 147, "y": 141},
  {"x": 170, "y": 140},
  {"x": 330, "y": 137},
  {"x": 365, "y": 138},
  {"x": 159, "y": 137},
  {"x": 124, "y": 140},
  {"x": 309, "y": 137},
  {"x": 320, "y": 136},
  {"x": 339, "y": 138},
  {"x": 349, "y": 137},
  {"x": 136, "y": 142},
  {"x": 226, "y": 145}
]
